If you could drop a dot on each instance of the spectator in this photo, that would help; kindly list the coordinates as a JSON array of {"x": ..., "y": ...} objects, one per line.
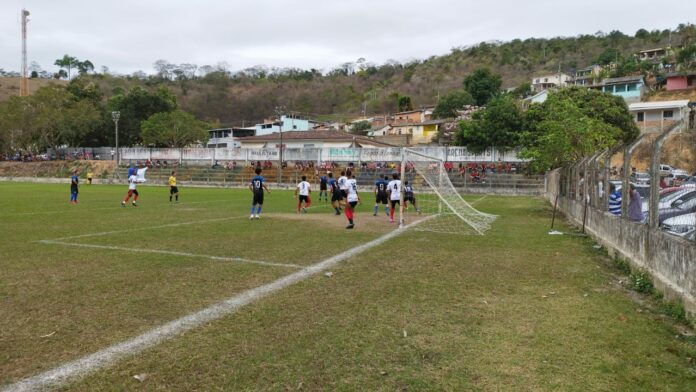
[
  {"x": 614, "y": 200},
  {"x": 635, "y": 207}
]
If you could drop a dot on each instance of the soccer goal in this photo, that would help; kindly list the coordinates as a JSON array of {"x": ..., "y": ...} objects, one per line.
[{"x": 437, "y": 202}]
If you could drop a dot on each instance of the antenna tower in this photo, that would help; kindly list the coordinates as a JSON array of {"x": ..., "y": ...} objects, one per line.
[{"x": 23, "y": 83}]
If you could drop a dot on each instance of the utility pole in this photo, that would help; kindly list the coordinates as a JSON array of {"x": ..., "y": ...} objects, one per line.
[
  {"x": 115, "y": 115},
  {"x": 23, "y": 83},
  {"x": 279, "y": 110}
]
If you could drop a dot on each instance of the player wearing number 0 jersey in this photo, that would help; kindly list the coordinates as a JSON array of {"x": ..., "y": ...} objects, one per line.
[
  {"x": 257, "y": 187},
  {"x": 304, "y": 189},
  {"x": 394, "y": 189},
  {"x": 353, "y": 198}
]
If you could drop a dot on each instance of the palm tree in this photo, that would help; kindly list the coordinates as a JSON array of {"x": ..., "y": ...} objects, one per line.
[{"x": 67, "y": 62}]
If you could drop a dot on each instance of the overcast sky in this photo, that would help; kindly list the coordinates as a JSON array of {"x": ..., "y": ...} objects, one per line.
[{"x": 130, "y": 35}]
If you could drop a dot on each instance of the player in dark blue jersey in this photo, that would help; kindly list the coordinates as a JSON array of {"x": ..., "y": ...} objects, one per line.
[
  {"x": 410, "y": 197},
  {"x": 381, "y": 196},
  {"x": 73, "y": 187},
  {"x": 336, "y": 195},
  {"x": 323, "y": 188},
  {"x": 257, "y": 187}
]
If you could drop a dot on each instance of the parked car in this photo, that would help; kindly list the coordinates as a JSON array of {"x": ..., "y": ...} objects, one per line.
[
  {"x": 684, "y": 204},
  {"x": 640, "y": 178},
  {"x": 682, "y": 225}
]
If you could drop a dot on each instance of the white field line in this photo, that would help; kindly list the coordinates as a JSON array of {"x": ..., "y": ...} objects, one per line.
[
  {"x": 174, "y": 253},
  {"x": 103, "y": 233},
  {"x": 81, "y": 367},
  {"x": 115, "y": 207}
]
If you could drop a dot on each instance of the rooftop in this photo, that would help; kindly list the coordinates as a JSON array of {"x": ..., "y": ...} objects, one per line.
[
  {"x": 623, "y": 79},
  {"x": 311, "y": 135},
  {"x": 658, "y": 105}
]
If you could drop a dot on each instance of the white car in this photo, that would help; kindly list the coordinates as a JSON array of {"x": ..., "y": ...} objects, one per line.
[{"x": 682, "y": 225}]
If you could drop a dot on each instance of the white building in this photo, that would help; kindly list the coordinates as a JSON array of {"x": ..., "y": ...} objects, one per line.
[
  {"x": 545, "y": 82},
  {"x": 289, "y": 123},
  {"x": 658, "y": 116}
]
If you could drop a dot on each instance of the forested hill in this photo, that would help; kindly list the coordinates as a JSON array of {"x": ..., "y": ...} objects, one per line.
[{"x": 235, "y": 98}]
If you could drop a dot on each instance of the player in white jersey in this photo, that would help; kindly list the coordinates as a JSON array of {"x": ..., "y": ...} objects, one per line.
[
  {"x": 394, "y": 190},
  {"x": 304, "y": 189},
  {"x": 343, "y": 186},
  {"x": 352, "y": 200},
  {"x": 132, "y": 183}
]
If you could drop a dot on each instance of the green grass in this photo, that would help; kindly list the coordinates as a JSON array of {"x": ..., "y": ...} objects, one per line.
[{"x": 516, "y": 309}]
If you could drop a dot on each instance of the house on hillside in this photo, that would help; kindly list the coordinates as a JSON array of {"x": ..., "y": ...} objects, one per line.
[
  {"x": 419, "y": 132},
  {"x": 379, "y": 130},
  {"x": 587, "y": 76},
  {"x": 291, "y": 122},
  {"x": 536, "y": 98},
  {"x": 413, "y": 116},
  {"x": 660, "y": 115},
  {"x": 309, "y": 139},
  {"x": 545, "y": 82},
  {"x": 679, "y": 81},
  {"x": 630, "y": 88},
  {"x": 653, "y": 55}
]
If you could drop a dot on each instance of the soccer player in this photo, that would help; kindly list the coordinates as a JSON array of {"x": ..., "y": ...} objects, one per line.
[
  {"x": 304, "y": 189},
  {"x": 394, "y": 190},
  {"x": 89, "y": 177},
  {"x": 323, "y": 189},
  {"x": 409, "y": 197},
  {"x": 74, "y": 180},
  {"x": 343, "y": 184},
  {"x": 335, "y": 194},
  {"x": 173, "y": 189},
  {"x": 353, "y": 198},
  {"x": 132, "y": 183},
  {"x": 381, "y": 195},
  {"x": 257, "y": 187}
]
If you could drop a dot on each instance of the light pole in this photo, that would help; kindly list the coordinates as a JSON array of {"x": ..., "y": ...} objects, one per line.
[{"x": 115, "y": 115}]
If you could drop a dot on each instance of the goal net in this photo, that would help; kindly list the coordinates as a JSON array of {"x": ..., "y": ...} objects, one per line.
[{"x": 439, "y": 205}]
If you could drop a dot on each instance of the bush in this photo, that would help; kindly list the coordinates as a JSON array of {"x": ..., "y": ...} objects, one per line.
[
  {"x": 621, "y": 265},
  {"x": 640, "y": 281}
]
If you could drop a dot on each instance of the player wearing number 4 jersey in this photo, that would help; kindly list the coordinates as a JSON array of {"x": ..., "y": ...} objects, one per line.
[
  {"x": 394, "y": 189},
  {"x": 257, "y": 187},
  {"x": 304, "y": 189},
  {"x": 353, "y": 199}
]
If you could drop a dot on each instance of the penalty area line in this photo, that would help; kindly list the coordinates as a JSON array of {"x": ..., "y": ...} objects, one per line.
[
  {"x": 80, "y": 367},
  {"x": 173, "y": 253}
]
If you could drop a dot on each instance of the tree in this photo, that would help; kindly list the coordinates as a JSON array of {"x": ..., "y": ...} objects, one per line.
[
  {"x": 174, "y": 129},
  {"x": 404, "y": 103},
  {"x": 360, "y": 127},
  {"x": 499, "y": 125},
  {"x": 687, "y": 56},
  {"x": 84, "y": 67},
  {"x": 572, "y": 124},
  {"x": 483, "y": 85},
  {"x": 642, "y": 34},
  {"x": 448, "y": 104},
  {"x": 609, "y": 56},
  {"x": 522, "y": 91},
  {"x": 135, "y": 107},
  {"x": 67, "y": 63}
]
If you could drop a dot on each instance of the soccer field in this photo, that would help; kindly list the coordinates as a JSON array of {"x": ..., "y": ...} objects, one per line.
[{"x": 205, "y": 299}]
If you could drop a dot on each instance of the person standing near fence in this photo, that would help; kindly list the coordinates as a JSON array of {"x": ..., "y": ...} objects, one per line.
[
  {"x": 614, "y": 200},
  {"x": 635, "y": 207}
]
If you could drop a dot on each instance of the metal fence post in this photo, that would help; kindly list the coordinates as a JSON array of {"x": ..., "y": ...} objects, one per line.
[
  {"x": 654, "y": 201},
  {"x": 628, "y": 152}
]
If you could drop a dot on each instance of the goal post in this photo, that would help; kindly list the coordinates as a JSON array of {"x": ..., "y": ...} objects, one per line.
[{"x": 434, "y": 196}]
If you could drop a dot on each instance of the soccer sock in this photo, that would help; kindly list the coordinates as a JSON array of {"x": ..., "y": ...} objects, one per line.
[
  {"x": 170, "y": 197},
  {"x": 337, "y": 209},
  {"x": 309, "y": 202},
  {"x": 252, "y": 210},
  {"x": 386, "y": 209},
  {"x": 258, "y": 210},
  {"x": 177, "y": 197},
  {"x": 391, "y": 213},
  {"x": 376, "y": 209}
]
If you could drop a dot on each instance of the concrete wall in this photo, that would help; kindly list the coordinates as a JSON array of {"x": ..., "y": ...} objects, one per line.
[{"x": 670, "y": 260}]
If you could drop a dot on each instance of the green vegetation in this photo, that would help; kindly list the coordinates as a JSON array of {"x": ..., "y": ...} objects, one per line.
[
  {"x": 483, "y": 85},
  {"x": 499, "y": 125},
  {"x": 514, "y": 310},
  {"x": 449, "y": 103},
  {"x": 173, "y": 129}
]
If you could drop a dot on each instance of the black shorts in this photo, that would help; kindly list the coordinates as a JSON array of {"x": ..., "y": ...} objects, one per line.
[
  {"x": 322, "y": 187},
  {"x": 411, "y": 199},
  {"x": 173, "y": 190},
  {"x": 353, "y": 204},
  {"x": 395, "y": 202},
  {"x": 258, "y": 198},
  {"x": 344, "y": 194},
  {"x": 336, "y": 196},
  {"x": 381, "y": 198},
  {"x": 304, "y": 198}
]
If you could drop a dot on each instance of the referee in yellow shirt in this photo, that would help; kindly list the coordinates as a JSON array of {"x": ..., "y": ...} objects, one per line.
[{"x": 173, "y": 190}]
